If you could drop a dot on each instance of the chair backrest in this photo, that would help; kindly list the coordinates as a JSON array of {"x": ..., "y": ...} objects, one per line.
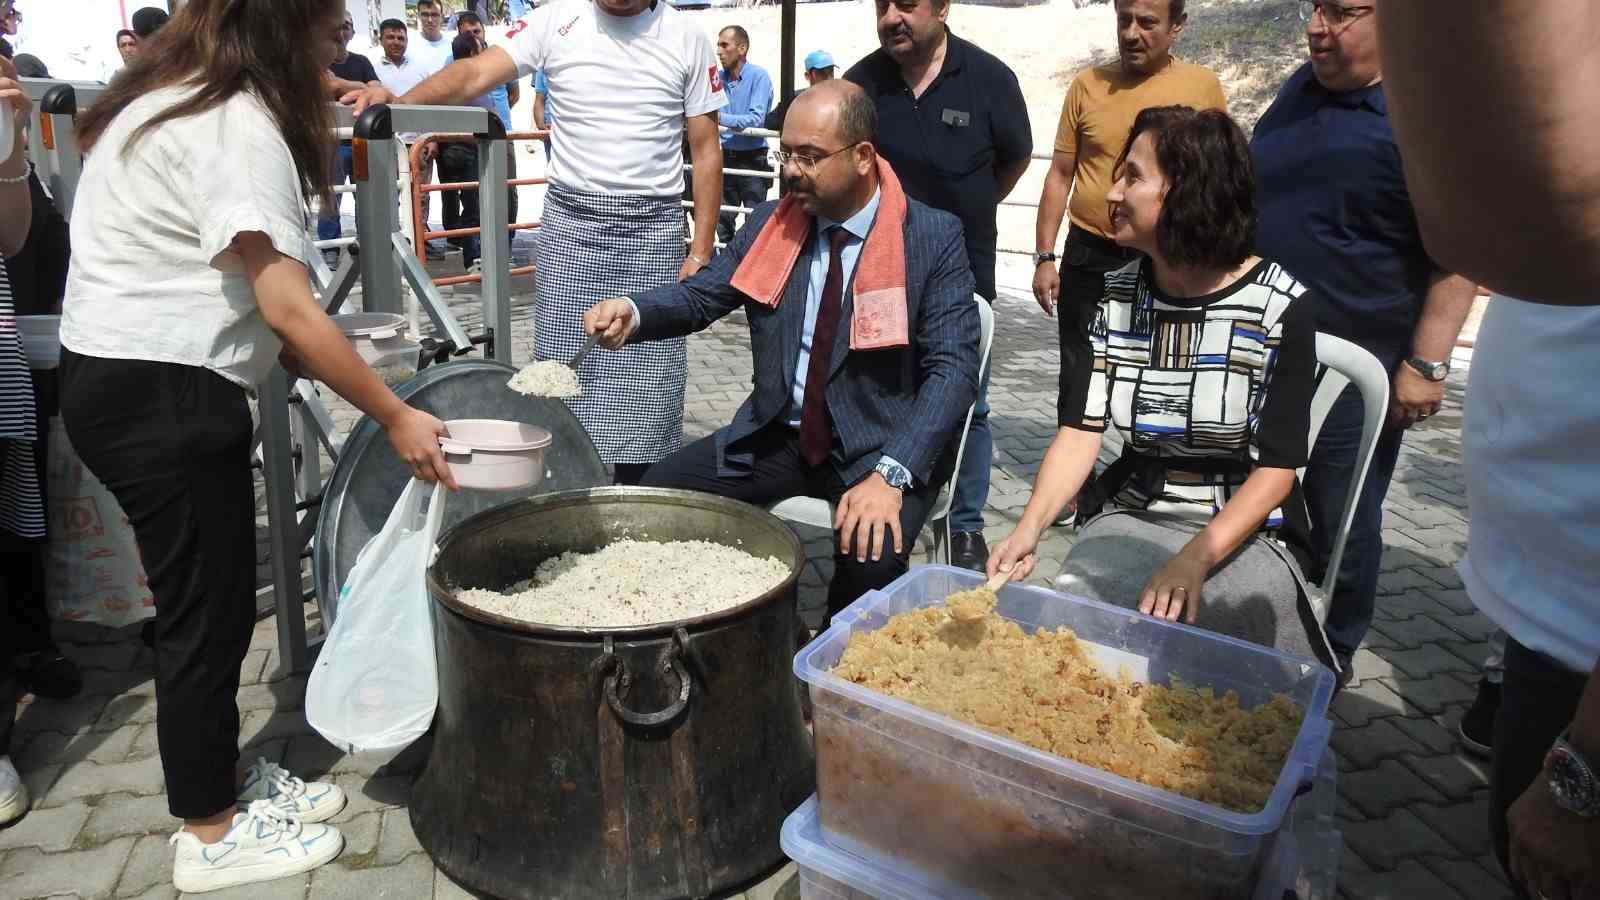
[{"x": 1341, "y": 364}]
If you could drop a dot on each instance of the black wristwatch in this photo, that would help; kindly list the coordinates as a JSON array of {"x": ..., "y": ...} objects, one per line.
[
  {"x": 1433, "y": 371},
  {"x": 1044, "y": 258},
  {"x": 1573, "y": 782}
]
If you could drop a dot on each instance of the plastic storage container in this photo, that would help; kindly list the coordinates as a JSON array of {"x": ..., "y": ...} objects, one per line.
[
  {"x": 967, "y": 807},
  {"x": 1303, "y": 863}
]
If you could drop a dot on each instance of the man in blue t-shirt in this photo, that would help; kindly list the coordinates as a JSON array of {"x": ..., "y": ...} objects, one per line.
[
  {"x": 1333, "y": 209},
  {"x": 749, "y": 90}
]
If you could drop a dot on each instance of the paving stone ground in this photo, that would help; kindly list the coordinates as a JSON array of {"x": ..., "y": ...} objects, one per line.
[{"x": 1413, "y": 809}]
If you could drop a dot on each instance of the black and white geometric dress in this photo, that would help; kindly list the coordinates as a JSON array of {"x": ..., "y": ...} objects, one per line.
[
  {"x": 21, "y": 498},
  {"x": 1201, "y": 389}
]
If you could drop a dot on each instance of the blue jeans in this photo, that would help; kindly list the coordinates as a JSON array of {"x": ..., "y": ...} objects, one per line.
[
  {"x": 1328, "y": 475},
  {"x": 328, "y": 227},
  {"x": 972, "y": 482}
]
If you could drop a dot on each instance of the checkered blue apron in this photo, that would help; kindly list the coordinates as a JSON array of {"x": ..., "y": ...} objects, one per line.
[{"x": 594, "y": 247}]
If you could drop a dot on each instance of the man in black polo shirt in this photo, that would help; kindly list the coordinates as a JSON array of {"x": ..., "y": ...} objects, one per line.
[
  {"x": 348, "y": 72},
  {"x": 1333, "y": 209},
  {"x": 953, "y": 123}
]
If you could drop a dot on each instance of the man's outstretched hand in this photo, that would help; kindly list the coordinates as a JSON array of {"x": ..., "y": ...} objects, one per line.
[{"x": 368, "y": 96}]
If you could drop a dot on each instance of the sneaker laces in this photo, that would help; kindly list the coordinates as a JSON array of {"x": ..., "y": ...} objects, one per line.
[
  {"x": 283, "y": 784},
  {"x": 261, "y": 812}
]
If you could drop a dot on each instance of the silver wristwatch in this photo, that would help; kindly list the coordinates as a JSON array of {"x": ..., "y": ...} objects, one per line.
[
  {"x": 1573, "y": 782},
  {"x": 894, "y": 475},
  {"x": 1433, "y": 371},
  {"x": 1044, "y": 258}
]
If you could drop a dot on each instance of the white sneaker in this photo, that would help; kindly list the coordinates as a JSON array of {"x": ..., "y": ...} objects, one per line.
[
  {"x": 314, "y": 802},
  {"x": 263, "y": 844},
  {"x": 13, "y": 793}
]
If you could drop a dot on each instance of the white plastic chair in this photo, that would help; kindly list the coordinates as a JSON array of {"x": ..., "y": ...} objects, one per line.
[
  {"x": 818, "y": 513},
  {"x": 1342, "y": 363}
]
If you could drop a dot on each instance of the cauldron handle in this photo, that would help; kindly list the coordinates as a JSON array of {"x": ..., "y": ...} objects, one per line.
[{"x": 619, "y": 679}]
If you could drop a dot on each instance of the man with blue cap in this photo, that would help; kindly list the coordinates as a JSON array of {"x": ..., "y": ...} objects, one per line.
[{"x": 819, "y": 67}]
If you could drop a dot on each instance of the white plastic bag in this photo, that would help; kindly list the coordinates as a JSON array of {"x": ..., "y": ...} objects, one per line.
[
  {"x": 376, "y": 683},
  {"x": 92, "y": 567}
]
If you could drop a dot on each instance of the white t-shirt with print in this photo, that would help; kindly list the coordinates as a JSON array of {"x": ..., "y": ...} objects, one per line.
[
  {"x": 621, "y": 88},
  {"x": 153, "y": 276},
  {"x": 1529, "y": 438}
]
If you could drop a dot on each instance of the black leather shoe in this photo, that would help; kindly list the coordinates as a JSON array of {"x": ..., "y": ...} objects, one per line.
[
  {"x": 969, "y": 551},
  {"x": 1476, "y": 729},
  {"x": 50, "y": 675}
]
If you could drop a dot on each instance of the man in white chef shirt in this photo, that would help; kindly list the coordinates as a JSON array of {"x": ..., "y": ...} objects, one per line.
[{"x": 625, "y": 79}]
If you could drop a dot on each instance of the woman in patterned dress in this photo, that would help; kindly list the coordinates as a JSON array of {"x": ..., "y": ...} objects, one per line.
[{"x": 1201, "y": 356}]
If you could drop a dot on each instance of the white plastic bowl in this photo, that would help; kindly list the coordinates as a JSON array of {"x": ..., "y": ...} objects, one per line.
[
  {"x": 376, "y": 336},
  {"x": 495, "y": 455},
  {"x": 41, "y": 340}
]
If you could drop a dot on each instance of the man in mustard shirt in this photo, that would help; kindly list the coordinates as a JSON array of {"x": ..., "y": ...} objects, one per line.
[{"x": 1095, "y": 119}]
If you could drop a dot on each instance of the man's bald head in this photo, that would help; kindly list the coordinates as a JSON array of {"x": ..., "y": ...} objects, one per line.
[{"x": 855, "y": 119}]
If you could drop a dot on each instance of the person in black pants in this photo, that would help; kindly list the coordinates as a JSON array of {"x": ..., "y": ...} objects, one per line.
[{"x": 158, "y": 358}]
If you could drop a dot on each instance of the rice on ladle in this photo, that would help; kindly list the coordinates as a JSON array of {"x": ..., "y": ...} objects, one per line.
[
  {"x": 631, "y": 583},
  {"x": 546, "y": 378}
]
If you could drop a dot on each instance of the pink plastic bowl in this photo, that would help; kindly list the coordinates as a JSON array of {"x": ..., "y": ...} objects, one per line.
[{"x": 495, "y": 455}]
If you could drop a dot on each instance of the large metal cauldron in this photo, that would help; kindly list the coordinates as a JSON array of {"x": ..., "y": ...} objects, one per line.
[{"x": 646, "y": 762}]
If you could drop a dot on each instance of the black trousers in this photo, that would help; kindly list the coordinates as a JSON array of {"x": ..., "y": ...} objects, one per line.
[
  {"x": 24, "y": 619},
  {"x": 458, "y": 163},
  {"x": 172, "y": 444},
  {"x": 741, "y": 190},
  {"x": 1538, "y": 698},
  {"x": 1084, "y": 264},
  {"x": 779, "y": 472}
]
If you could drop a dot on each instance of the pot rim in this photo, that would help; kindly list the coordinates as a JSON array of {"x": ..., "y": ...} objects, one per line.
[{"x": 446, "y": 596}]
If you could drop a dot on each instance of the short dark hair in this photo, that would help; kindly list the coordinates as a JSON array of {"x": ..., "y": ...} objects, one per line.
[
  {"x": 1174, "y": 10},
  {"x": 1208, "y": 217},
  {"x": 148, "y": 21},
  {"x": 739, "y": 34},
  {"x": 465, "y": 46},
  {"x": 858, "y": 118},
  {"x": 467, "y": 17},
  {"x": 126, "y": 32},
  {"x": 30, "y": 66},
  {"x": 5, "y": 48},
  {"x": 391, "y": 25},
  {"x": 433, "y": 3}
]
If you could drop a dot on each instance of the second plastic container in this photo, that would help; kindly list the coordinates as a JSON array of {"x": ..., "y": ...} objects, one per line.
[{"x": 898, "y": 783}]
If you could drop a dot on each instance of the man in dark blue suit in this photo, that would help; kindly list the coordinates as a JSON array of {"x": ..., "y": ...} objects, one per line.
[{"x": 858, "y": 402}]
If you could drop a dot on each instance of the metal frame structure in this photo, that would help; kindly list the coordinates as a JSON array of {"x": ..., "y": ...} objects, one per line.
[{"x": 294, "y": 424}]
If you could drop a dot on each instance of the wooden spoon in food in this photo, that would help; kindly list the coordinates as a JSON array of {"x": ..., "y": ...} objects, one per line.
[{"x": 975, "y": 605}]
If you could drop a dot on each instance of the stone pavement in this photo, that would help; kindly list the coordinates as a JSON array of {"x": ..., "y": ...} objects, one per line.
[{"x": 1412, "y": 808}]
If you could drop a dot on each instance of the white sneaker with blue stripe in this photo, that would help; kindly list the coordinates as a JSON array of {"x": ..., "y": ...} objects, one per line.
[
  {"x": 263, "y": 844},
  {"x": 316, "y": 801}
]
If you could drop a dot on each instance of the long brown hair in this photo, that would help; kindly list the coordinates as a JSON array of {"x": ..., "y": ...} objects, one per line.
[{"x": 222, "y": 48}]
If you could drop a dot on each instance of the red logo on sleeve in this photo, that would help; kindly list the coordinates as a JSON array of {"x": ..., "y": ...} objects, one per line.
[
  {"x": 716, "y": 81},
  {"x": 517, "y": 28}
]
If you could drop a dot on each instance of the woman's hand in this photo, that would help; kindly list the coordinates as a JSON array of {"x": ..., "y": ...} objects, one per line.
[
  {"x": 1174, "y": 589},
  {"x": 1015, "y": 554},
  {"x": 415, "y": 436},
  {"x": 11, "y": 95}
]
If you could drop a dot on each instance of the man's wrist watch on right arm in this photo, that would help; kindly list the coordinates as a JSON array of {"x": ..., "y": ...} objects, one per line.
[
  {"x": 1045, "y": 257},
  {"x": 1573, "y": 781},
  {"x": 1433, "y": 371}
]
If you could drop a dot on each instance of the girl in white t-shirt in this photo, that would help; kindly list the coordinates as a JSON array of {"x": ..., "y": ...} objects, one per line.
[{"x": 187, "y": 284}]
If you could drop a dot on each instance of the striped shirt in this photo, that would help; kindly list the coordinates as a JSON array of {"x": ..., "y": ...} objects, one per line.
[{"x": 21, "y": 500}]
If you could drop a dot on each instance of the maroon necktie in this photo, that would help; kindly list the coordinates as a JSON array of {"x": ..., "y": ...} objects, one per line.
[{"x": 816, "y": 429}]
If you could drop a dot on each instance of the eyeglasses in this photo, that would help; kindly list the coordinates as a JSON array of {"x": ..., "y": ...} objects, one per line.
[
  {"x": 805, "y": 161},
  {"x": 1334, "y": 14}
]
